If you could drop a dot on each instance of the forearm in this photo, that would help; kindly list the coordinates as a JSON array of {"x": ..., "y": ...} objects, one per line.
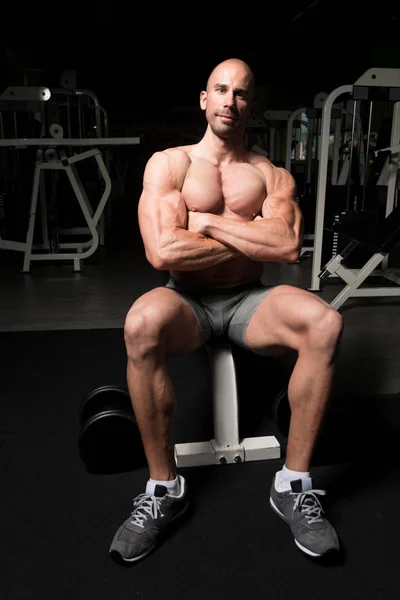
[
  {"x": 262, "y": 240},
  {"x": 191, "y": 251}
]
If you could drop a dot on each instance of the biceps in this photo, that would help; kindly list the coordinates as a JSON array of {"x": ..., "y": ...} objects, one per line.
[{"x": 288, "y": 210}]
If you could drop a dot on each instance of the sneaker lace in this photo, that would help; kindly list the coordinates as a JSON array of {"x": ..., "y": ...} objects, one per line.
[
  {"x": 308, "y": 503},
  {"x": 145, "y": 505}
]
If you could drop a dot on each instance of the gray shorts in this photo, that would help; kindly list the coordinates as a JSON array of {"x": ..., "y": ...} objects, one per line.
[{"x": 225, "y": 312}]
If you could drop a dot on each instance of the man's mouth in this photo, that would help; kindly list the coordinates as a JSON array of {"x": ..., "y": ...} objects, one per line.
[{"x": 228, "y": 117}]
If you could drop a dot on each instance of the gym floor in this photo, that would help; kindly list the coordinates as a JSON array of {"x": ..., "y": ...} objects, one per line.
[{"x": 61, "y": 335}]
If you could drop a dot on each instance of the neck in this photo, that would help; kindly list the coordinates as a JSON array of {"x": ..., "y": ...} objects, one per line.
[{"x": 219, "y": 150}]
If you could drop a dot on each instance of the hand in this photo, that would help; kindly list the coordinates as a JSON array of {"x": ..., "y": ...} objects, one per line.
[{"x": 197, "y": 222}]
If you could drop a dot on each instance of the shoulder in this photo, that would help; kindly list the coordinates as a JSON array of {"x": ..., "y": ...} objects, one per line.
[
  {"x": 172, "y": 163},
  {"x": 172, "y": 156},
  {"x": 277, "y": 178}
]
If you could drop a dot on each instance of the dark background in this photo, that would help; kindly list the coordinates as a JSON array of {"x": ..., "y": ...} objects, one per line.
[
  {"x": 146, "y": 61},
  {"x": 62, "y": 331}
]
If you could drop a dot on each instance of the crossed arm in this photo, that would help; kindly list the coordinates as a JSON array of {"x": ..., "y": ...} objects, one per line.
[
  {"x": 267, "y": 238},
  {"x": 177, "y": 240}
]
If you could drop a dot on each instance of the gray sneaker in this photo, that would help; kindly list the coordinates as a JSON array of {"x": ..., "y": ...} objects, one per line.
[
  {"x": 302, "y": 511},
  {"x": 151, "y": 515}
]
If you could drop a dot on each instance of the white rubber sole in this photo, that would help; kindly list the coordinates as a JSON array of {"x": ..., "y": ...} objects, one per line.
[
  {"x": 302, "y": 548},
  {"x": 149, "y": 550}
]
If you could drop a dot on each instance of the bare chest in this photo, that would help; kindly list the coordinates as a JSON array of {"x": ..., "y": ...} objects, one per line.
[{"x": 235, "y": 190}]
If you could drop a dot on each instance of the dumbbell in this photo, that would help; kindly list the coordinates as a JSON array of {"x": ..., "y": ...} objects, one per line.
[{"x": 109, "y": 439}]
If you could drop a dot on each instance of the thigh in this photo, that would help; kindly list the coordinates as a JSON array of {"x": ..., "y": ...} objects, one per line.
[
  {"x": 282, "y": 319},
  {"x": 177, "y": 320},
  {"x": 243, "y": 313}
]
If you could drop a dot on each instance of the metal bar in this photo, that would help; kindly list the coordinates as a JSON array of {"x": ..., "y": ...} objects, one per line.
[
  {"x": 32, "y": 218},
  {"x": 393, "y": 168},
  {"x": 322, "y": 179},
  {"x": 335, "y": 155},
  {"x": 366, "y": 155},
  {"x": 350, "y": 289},
  {"x": 96, "y": 105},
  {"x": 226, "y": 409},
  {"x": 289, "y": 135},
  {"x": 351, "y": 156},
  {"x": 23, "y": 142}
]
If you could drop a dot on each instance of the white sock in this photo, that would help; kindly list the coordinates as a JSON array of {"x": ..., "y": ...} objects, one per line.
[
  {"x": 173, "y": 486},
  {"x": 284, "y": 477}
]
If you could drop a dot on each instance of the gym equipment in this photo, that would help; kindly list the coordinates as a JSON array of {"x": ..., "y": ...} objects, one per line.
[
  {"x": 44, "y": 121},
  {"x": 256, "y": 136},
  {"x": 381, "y": 238},
  {"x": 281, "y": 412},
  {"x": 265, "y": 135},
  {"x": 226, "y": 447},
  {"x": 303, "y": 151},
  {"x": 277, "y": 123},
  {"x": 109, "y": 439},
  {"x": 373, "y": 85}
]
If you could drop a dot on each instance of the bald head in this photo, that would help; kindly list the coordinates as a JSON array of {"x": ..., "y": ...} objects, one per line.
[
  {"x": 228, "y": 99},
  {"x": 234, "y": 66}
]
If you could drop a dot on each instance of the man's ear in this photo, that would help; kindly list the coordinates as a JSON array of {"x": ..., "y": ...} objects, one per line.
[{"x": 203, "y": 100}]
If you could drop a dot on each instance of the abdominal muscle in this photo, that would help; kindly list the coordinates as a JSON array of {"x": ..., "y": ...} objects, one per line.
[{"x": 230, "y": 274}]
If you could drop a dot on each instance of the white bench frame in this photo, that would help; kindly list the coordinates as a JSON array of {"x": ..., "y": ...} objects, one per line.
[{"x": 225, "y": 447}]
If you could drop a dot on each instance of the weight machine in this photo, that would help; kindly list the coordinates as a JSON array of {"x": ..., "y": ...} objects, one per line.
[
  {"x": 266, "y": 135},
  {"x": 352, "y": 222},
  {"x": 35, "y": 117},
  {"x": 303, "y": 153},
  {"x": 302, "y": 150}
]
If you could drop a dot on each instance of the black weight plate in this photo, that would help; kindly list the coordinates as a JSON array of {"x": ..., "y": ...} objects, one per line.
[
  {"x": 105, "y": 398},
  {"x": 281, "y": 412},
  {"x": 110, "y": 443}
]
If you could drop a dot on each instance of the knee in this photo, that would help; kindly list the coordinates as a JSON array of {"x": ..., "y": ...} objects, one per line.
[
  {"x": 141, "y": 333},
  {"x": 326, "y": 330}
]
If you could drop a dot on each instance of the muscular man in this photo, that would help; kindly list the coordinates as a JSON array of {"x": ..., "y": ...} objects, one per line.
[{"x": 211, "y": 214}]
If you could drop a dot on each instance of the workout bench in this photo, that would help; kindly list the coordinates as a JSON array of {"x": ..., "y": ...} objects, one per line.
[{"x": 225, "y": 447}]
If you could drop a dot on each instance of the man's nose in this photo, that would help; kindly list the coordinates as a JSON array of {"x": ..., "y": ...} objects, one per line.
[{"x": 229, "y": 99}]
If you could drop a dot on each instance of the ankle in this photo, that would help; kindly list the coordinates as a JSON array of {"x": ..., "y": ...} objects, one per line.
[
  {"x": 284, "y": 478},
  {"x": 173, "y": 485},
  {"x": 162, "y": 474}
]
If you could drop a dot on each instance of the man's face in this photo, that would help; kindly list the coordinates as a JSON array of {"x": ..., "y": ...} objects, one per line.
[{"x": 228, "y": 100}]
